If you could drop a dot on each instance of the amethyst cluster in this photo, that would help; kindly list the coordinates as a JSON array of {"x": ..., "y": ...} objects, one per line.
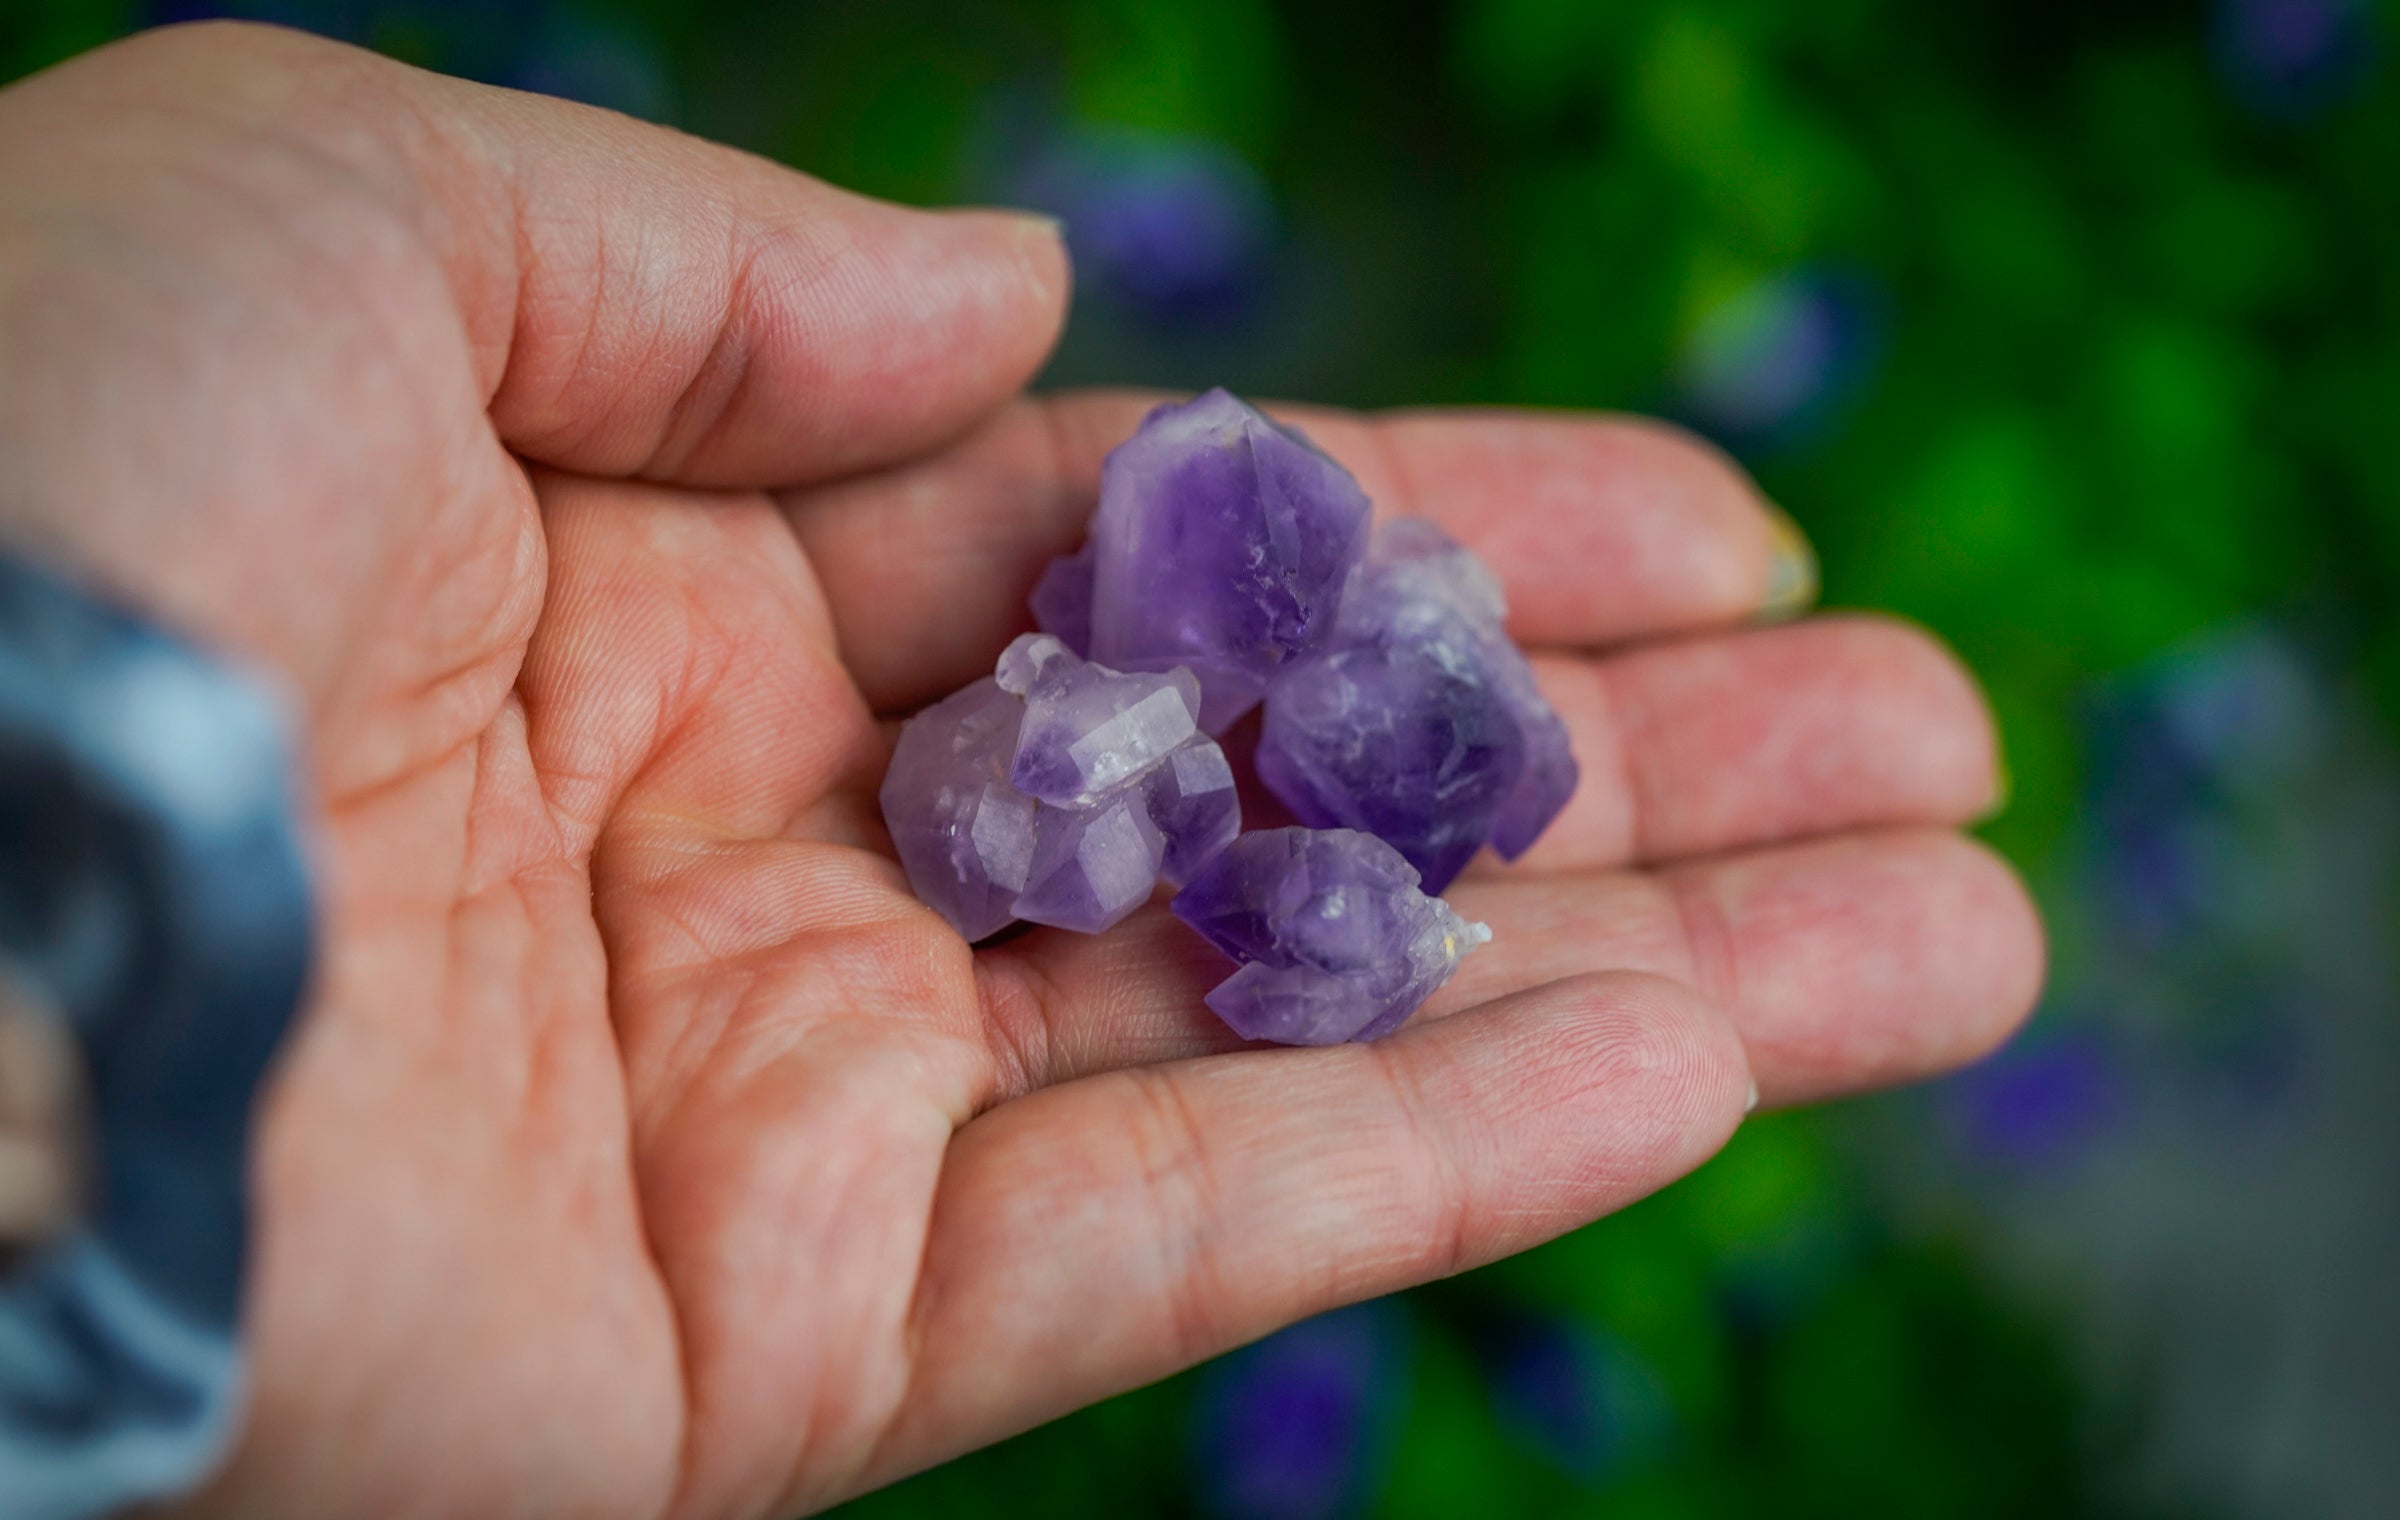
[
  {"x": 1056, "y": 791},
  {"x": 1230, "y": 565}
]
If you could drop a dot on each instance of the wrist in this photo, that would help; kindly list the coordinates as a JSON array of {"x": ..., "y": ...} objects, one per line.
[{"x": 154, "y": 909}]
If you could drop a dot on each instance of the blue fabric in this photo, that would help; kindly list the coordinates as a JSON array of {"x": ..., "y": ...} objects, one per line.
[{"x": 153, "y": 887}]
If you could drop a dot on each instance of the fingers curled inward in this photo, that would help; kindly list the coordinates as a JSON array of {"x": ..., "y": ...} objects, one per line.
[{"x": 1112, "y": 1230}]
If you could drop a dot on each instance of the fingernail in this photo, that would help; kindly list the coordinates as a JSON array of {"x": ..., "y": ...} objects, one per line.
[
  {"x": 1792, "y": 573},
  {"x": 2004, "y": 788},
  {"x": 1751, "y": 1106}
]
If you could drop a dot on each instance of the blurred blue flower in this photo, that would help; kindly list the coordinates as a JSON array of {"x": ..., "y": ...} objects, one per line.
[
  {"x": 2293, "y": 58},
  {"x": 2041, "y": 1104},
  {"x": 1585, "y": 1400},
  {"x": 1178, "y": 230},
  {"x": 1293, "y": 1427},
  {"x": 1775, "y": 365}
]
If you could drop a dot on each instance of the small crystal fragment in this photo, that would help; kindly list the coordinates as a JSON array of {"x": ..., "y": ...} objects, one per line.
[
  {"x": 1088, "y": 729},
  {"x": 1222, "y": 543},
  {"x": 1334, "y": 938},
  {"x": 1418, "y": 721}
]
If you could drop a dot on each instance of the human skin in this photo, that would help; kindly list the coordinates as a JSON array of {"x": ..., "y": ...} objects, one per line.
[{"x": 601, "y": 497}]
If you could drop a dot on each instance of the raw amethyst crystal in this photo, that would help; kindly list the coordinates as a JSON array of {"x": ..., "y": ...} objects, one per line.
[
  {"x": 1057, "y": 792},
  {"x": 1417, "y": 720},
  {"x": 1334, "y": 938},
  {"x": 1222, "y": 544}
]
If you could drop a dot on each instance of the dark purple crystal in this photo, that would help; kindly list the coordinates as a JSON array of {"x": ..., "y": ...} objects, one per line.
[
  {"x": 1418, "y": 721},
  {"x": 1222, "y": 544}
]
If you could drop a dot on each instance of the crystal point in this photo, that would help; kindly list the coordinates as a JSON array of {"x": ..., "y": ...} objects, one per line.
[
  {"x": 1222, "y": 543},
  {"x": 1334, "y": 938}
]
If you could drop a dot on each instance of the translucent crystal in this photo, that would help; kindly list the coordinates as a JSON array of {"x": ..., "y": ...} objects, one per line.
[
  {"x": 1417, "y": 720},
  {"x": 1222, "y": 544},
  {"x": 1334, "y": 939},
  {"x": 1056, "y": 792},
  {"x": 1088, "y": 729}
]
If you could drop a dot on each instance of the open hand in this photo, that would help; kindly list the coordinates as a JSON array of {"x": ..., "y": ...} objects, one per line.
[{"x": 602, "y": 495}]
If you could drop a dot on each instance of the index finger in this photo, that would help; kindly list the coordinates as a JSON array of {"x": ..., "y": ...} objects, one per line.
[{"x": 1602, "y": 528}]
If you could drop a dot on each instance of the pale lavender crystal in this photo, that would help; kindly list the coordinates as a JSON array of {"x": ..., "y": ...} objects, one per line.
[
  {"x": 1088, "y": 729},
  {"x": 1418, "y": 721},
  {"x": 1334, "y": 938},
  {"x": 964, "y": 834},
  {"x": 1222, "y": 544},
  {"x": 1056, "y": 792}
]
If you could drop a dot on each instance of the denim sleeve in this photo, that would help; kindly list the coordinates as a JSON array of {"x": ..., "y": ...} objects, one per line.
[{"x": 154, "y": 892}]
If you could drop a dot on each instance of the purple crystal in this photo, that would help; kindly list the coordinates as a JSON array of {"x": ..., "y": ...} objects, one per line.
[
  {"x": 1335, "y": 939},
  {"x": 1222, "y": 543},
  {"x": 1057, "y": 792},
  {"x": 1418, "y": 721},
  {"x": 964, "y": 834},
  {"x": 1062, "y": 600},
  {"x": 1088, "y": 730}
]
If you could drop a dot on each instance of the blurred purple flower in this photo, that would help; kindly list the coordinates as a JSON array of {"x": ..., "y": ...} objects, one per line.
[
  {"x": 1774, "y": 366},
  {"x": 2040, "y": 1104},
  {"x": 2293, "y": 58},
  {"x": 1585, "y": 1400},
  {"x": 1291, "y": 1428},
  {"x": 1178, "y": 230}
]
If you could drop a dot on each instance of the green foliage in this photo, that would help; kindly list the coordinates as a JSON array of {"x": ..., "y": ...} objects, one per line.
[{"x": 2139, "y": 375}]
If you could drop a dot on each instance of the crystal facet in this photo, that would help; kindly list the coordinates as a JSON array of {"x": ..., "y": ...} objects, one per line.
[
  {"x": 1193, "y": 803},
  {"x": 1418, "y": 721},
  {"x": 1088, "y": 730},
  {"x": 1222, "y": 544},
  {"x": 1093, "y": 865},
  {"x": 1334, "y": 938},
  {"x": 964, "y": 834},
  {"x": 1057, "y": 791}
]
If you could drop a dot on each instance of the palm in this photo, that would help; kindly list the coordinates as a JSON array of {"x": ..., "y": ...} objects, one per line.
[{"x": 647, "y": 1148}]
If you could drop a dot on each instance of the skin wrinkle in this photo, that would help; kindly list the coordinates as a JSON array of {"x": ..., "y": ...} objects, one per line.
[
  {"x": 1446, "y": 1250},
  {"x": 1183, "y": 1196}
]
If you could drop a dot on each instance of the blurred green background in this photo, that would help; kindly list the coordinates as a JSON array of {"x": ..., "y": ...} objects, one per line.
[{"x": 2071, "y": 331}]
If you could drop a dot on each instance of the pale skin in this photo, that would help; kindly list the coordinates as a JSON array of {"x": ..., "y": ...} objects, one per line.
[{"x": 601, "y": 497}]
